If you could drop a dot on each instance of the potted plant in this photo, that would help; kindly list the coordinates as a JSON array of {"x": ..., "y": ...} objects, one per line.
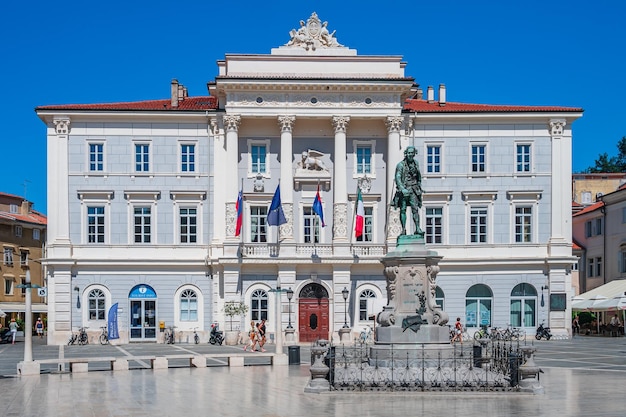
[{"x": 232, "y": 309}]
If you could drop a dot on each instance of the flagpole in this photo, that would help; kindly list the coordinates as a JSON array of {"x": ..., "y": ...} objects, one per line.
[
  {"x": 242, "y": 215},
  {"x": 278, "y": 227},
  {"x": 356, "y": 203}
]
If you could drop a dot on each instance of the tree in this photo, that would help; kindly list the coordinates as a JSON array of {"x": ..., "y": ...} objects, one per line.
[
  {"x": 604, "y": 163},
  {"x": 234, "y": 308}
]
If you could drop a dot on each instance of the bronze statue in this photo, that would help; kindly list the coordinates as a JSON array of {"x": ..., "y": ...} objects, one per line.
[{"x": 408, "y": 189}]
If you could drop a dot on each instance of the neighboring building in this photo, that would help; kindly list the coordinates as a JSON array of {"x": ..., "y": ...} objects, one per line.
[
  {"x": 143, "y": 198},
  {"x": 600, "y": 230},
  {"x": 22, "y": 237},
  {"x": 589, "y": 188}
]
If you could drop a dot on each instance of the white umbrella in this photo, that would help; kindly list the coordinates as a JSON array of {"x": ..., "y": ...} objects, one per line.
[
  {"x": 2, "y": 314},
  {"x": 588, "y": 304},
  {"x": 616, "y": 303}
]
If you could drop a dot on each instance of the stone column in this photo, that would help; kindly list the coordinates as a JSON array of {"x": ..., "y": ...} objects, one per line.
[
  {"x": 227, "y": 174},
  {"x": 340, "y": 190},
  {"x": 561, "y": 189},
  {"x": 286, "y": 174},
  {"x": 394, "y": 155},
  {"x": 58, "y": 185}
]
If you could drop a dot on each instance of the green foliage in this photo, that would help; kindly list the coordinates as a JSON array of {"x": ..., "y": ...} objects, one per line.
[
  {"x": 234, "y": 308},
  {"x": 585, "y": 317},
  {"x": 606, "y": 163}
]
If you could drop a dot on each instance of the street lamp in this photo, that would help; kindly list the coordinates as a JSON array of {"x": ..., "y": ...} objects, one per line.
[
  {"x": 289, "y": 297},
  {"x": 77, "y": 297},
  {"x": 345, "y": 293}
]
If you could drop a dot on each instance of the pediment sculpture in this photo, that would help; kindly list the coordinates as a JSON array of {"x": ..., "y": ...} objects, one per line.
[{"x": 313, "y": 34}]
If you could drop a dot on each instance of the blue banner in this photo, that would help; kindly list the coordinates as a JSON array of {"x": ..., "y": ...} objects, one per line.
[{"x": 112, "y": 323}]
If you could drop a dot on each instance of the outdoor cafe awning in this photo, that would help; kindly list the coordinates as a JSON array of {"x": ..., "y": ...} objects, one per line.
[{"x": 608, "y": 297}]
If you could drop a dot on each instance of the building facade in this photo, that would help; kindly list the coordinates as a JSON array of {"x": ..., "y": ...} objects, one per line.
[
  {"x": 145, "y": 209},
  {"x": 23, "y": 237}
]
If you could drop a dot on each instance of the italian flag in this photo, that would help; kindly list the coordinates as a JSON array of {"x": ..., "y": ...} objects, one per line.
[{"x": 360, "y": 216}]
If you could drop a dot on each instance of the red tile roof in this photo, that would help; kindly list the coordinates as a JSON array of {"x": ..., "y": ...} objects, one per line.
[
  {"x": 33, "y": 217},
  {"x": 188, "y": 104},
  {"x": 423, "y": 106},
  {"x": 590, "y": 208}
]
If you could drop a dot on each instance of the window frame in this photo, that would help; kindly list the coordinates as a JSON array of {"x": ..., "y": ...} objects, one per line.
[
  {"x": 310, "y": 220},
  {"x": 97, "y": 298},
  {"x": 431, "y": 163},
  {"x": 8, "y": 256},
  {"x": 36, "y": 234},
  {"x": 361, "y": 144},
  {"x": 94, "y": 199},
  {"x": 523, "y": 300},
  {"x": 96, "y": 148},
  {"x": 19, "y": 230},
  {"x": 182, "y": 155},
  {"x": 191, "y": 298},
  {"x": 259, "y": 304},
  {"x": 519, "y": 167},
  {"x": 485, "y": 156},
  {"x": 479, "y": 304},
  {"x": 191, "y": 232},
  {"x": 187, "y": 200},
  {"x": 11, "y": 283},
  {"x": 263, "y": 228},
  {"x": 259, "y": 142},
  {"x": 143, "y": 155}
]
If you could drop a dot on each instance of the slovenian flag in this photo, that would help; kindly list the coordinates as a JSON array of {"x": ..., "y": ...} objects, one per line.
[
  {"x": 317, "y": 206},
  {"x": 239, "y": 209},
  {"x": 360, "y": 216}
]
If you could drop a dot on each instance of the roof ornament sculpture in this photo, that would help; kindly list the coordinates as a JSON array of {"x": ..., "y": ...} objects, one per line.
[{"x": 313, "y": 35}]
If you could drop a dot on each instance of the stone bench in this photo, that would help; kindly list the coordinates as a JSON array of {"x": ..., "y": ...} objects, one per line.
[{"x": 78, "y": 365}]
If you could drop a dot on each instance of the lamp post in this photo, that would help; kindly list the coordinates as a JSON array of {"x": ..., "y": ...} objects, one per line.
[
  {"x": 289, "y": 297},
  {"x": 28, "y": 366},
  {"x": 345, "y": 293}
]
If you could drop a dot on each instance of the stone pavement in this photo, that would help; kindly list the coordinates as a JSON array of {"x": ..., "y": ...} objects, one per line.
[{"x": 582, "y": 377}]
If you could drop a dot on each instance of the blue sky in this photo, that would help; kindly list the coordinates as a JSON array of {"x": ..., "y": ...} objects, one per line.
[{"x": 565, "y": 53}]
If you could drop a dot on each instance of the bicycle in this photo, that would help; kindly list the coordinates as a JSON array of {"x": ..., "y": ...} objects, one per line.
[
  {"x": 366, "y": 335},
  {"x": 81, "y": 337},
  {"x": 104, "y": 336},
  {"x": 484, "y": 333},
  {"x": 196, "y": 338},
  {"x": 72, "y": 339}
]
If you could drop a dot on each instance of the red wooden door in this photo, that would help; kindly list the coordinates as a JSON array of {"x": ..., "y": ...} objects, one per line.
[{"x": 313, "y": 319}]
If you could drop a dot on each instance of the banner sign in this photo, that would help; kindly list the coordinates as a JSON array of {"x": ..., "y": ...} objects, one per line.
[{"x": 112, "y": 323}]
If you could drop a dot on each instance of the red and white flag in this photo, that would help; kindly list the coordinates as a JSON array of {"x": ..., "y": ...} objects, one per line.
[{"x": 360, "y": 216}]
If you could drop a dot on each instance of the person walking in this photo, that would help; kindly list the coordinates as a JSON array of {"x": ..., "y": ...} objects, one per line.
[
  {"x": 458, "y": 330},
  {"x": 262, "y": 339},
  {"x": 575, "y": 326},
  {"x": 39, "y": 327},
  {"x": 252, "y": 335},
  {"x": 13, "y": 330}
]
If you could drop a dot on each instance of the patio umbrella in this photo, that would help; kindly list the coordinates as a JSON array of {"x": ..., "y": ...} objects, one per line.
[
  {"x": 2, "y": 314},
  {"x": 589, "y": 304},
  {"x": 616, "y": 303}
]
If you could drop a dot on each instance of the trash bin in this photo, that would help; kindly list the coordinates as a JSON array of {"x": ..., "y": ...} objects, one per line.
[
  {"x": 478, "y": 353},
  {"x": 294, "y": 355},
  {"x": 514, "y": 366}
]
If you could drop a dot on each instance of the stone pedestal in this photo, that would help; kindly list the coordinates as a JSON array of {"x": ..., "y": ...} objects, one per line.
[
  {"x": 290, "y": 337},
  {"x": 344, "y": 335},
  {"x": 28, "y": 368}
]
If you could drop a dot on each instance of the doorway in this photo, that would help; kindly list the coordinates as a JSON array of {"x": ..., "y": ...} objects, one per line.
[
  {"x": 142, "y": 314},
  {"x": 313, "y": 313}
]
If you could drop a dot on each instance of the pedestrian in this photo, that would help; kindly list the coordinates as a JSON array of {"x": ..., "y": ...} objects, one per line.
[
  {"x": 262, "y": 339},
  {"x": 39, "y": 327},
  {"x": 252, "y": 336},
  {"x": 575, "y": 326},
  {"x": 458, "y": 330},
  {"x": 13, "y": 329}
]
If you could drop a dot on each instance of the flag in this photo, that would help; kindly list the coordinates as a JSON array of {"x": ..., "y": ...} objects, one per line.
[
  {"x": 239, "y": 209},
  {"x": 112, "y": 329},
  {"x": 317, "y": 206},
  {"x": 276, "y": 216},
  {"x": 360, "y": 216}
]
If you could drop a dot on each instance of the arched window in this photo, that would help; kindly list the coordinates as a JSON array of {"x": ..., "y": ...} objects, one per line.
[
  {"x": 97, "y": 304},
  {"x": 440, "y": 297},
  {"x": 188, "y": 305},
  {"x": 523, "y": 305},
  {"x": 478, "y": 300},
  {"x": 258, "y": 301},
  {"x": 366, "y": 304}
]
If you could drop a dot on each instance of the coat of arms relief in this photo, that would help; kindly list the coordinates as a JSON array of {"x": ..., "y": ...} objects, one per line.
[{"x": 313, "y": 35}]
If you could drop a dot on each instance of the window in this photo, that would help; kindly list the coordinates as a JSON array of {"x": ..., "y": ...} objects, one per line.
[
  {"x": 434, "y": 227},
  {"x": 142, "y": 224},
  {"x": 588, "y": 229},
  {"x": 523, "y": 306},
  {"x": 188, "y": 158},
  {"x": 363, "y": 159},
  {"x": 599, "y": 228},
  {"x": 258, "y": 305},
  {"x": 8, "y": 286},
  {"x": 368, "y": 229},
  {"x": 367, "y": 298},
  {"x": 188, "y": 305},
  {"x": 24, "y": 258},
  {"x": 188, "y": 225},
  {"x": 258, "y": 224},
  {"x": 433, "y": 159},
  {"x": 478, "y": 158},
  {"x": 522, "y": 158},
  {"x": 258, "y": 156},
  {"x": 585, "y": 196},
  {"x": 478, "y": 225},
  {"x": 8, "y": 256},
  {"x": 440, "y": 298},
  {"x": 23, "y": 286},
  {"x": 311, "y": 226},
  {"x": 142, "y": 157},
  {"x": 96, "y": 157},
  {"x": 13, "y": 208},
  {"x": 97, "y": 301},
  {"x": 599, "y": 266},
  {"x": 478, "y": 306},
  {"x": 18, "y": 231},
  {"x": 95, "y": 224},
  {"x": 523, "y": 222},
  {"x": 36, "y": 234},
  {"x": 590, "y": 267}
]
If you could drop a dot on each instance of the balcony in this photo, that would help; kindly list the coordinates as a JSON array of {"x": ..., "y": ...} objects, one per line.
[{"x": 308, "y": 250}]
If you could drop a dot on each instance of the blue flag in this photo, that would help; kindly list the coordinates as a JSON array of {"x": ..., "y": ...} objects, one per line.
[
  {"x": 317, "y": 206},
  {"x": 276, "y": 216},
  {"x": 112, "y": 323}
]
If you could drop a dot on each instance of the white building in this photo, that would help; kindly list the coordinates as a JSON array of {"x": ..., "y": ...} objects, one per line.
[{"x": 142, "y": 208}]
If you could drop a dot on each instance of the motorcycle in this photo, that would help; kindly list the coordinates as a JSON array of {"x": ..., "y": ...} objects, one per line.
[
  {"x": 5, "y": 335},
  {"x": 216, "y": 336},
  {"x": 543, "y": 332}
]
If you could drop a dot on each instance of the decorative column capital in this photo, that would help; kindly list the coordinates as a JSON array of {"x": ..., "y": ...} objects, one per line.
[
  {"x": 232, "y": 122},
  {"x": 61, "y": 125},
  {"x": 286, "y": 123},
  {"x": 557, "y": 126},
  {"x": 340, "y": 123},
  {"x": 394, "y": 123}
]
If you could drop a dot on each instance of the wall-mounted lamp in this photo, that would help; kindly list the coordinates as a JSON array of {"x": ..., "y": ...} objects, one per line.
[
  {"x": 544, "y": 287},
  {"x": 289, "y": 297},
  {"x": 345, "y": 293},
  {"x": 77, "y": 297}
]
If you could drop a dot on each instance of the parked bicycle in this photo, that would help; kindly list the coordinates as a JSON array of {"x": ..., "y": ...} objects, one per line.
[
  {"x": 484, "y": 333},
  {"x": 81, "y": 337},
  {"x": 366, "y": 335},
  {"x": 169, "y": 336},
  {"x": 104, "y": 336}
]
